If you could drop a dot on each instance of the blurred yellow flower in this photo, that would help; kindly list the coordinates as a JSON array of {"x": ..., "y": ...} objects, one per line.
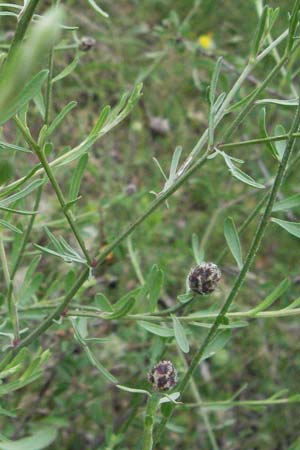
[{"x": 206, "y": 41}]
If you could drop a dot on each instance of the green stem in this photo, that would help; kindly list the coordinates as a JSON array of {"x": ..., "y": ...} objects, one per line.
[
  {"x": 85, "y": 311},
  {"x": 250, "y": 142},
  {"x": 27, "y": 233},
  {"x": 248, "y": 262},
  {"x": 48, "y": 100},
  {"x": 43, "y": 160},
  {"x": 12, "y": 302},
  {"x": 244, "y": 403},
  {"x": 152, "y": 405}
]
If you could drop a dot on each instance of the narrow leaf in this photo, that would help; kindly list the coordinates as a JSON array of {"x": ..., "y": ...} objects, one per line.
[
  {"x": 21, "y": 194},
  {"x": 271, "y": 298},
  {"x": 158, "y": 330},
  {"x": 103, "y": 303},
  {"x": 180, "y": 335},
  {"x": 123, "y": 311},
  {"x": 97, "y": 8},
  {"x": 67, "y": 70},
  {"x": 287, "y": 203},
  {"x": 233, "y": 241},
  {"x": 292, "y": 227},
  {"x": 22, "y": 98}
]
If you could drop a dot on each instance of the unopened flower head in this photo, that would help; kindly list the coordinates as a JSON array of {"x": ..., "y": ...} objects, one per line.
[
  {"x": 204, "y": 278},
  {"x": 163, "y": 376},
  {"x": 87, "y": 43}
]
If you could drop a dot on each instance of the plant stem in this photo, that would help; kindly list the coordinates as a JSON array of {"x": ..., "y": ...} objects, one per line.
[
  {"x": 233, "y": 404},
  {"x": 12, "y": 302},
  {"x": 43, "y": 160},
  {"x": 48, "y": 100},
  {"x": 84, "y": 311},
  {"x": 280, "y": 137},
  {"x": 152, "y": 404},
  {"x": 248, "y": 262},
  {"x": 27, "y": 232}
]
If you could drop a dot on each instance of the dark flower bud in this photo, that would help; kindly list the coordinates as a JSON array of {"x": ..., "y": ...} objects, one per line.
[
  {"x": 163, "y": 376},
  {"x": 87, "y": 43},
  {"x": 204, "y": 278}
]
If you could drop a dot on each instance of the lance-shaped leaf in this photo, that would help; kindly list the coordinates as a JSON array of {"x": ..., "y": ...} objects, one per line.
[
  {"x": 271, "y": 298},
  {"x": 197, "y": 250},
  {"x": 30, "y": 90},
  {"x": 158, "y": 330},
  {"x": 21, "y": 194},
  {"x": 97, "y": 8},
  {"x": 133, "y": 390},
  {"x": 233, "y": 241},
  {"x": 40, "y": 439},
  {"x": 60, "y": 117},
  {"x": 180, "y": 335},
  {"x": 287, "y": 203},
  {"x": 291, "y": 227},
  {"x": 217, "y": 343},
  {"x": 122, "y": 311},
  {"x": 154, "y": 283}
]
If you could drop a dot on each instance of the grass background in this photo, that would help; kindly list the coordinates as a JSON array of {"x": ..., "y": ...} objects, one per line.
[{"x": 265, "y": 355}]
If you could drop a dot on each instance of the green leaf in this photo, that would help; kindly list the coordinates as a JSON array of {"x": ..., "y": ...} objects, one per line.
[
  {"x": 292, "y": 227},
  {"x": 13, "y": 147},
  {"x": 154, "y": 282},
  {"x": 180, "y": 335},
  {"x": 271, "y": 298},
  {"x": 77, "y": 177},
  {"x": 132, "y": 390},
  {"x": 22, "y": 98},
  {"x": 198, "y": 252},
  {"x": 107, "y": 375},
  {"x": 67, "y": 70},
  {"x": 242, "y": 176},
  {"x": 260, "y": 32},
  {"x": 11, "y": 227},
  {"x": 293, "y": 24},
  {"x": 60, "y": 117},
  {"x": 101, "y": 120},
  {"x": 21, "y": 194},
  {"x": 103, "y": 303},
  {"x": 217, "y": 344},
  {"x": 97, "y": 8},
  {"x": 279, "y": 102},
  {"x": 4, "y": 412},
  {"x": 174, "y": 164},
  {"x": 280, "y": 145},
  {"x": 263, "y": 128},
  {"x": 287, "y": 203},
  {"x": 122, "y": 311},
  {"x": 233, "y": 241},
  {"x": 158, "y": 330},
  {"x": 39, "y": 440}
]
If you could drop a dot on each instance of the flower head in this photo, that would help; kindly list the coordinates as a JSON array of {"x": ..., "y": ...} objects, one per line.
[
  {"x": 206, "y": 41},
  {"x": 87, "y": 43},
  {"x": 163, "y": 376},
  {"x": 204, "y": 278}
]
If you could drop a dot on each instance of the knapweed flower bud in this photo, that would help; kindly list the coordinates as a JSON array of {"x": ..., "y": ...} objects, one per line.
[
  {"x": 87, "y": 43},
  {"x": 204, "y": 278},
  {"x": 163, "y": 376}
]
